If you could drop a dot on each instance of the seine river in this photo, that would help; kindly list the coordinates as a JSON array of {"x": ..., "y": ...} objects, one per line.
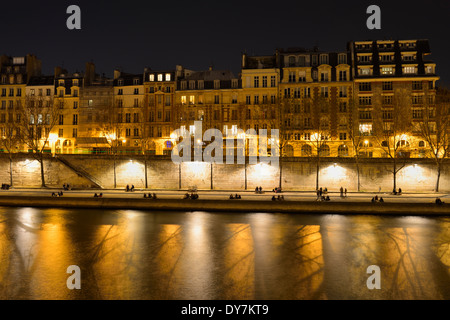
[{"x": 126, "y": 254}]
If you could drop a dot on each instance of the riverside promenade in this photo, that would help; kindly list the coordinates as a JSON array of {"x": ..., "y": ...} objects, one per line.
[{"x": 422, "y": 204}]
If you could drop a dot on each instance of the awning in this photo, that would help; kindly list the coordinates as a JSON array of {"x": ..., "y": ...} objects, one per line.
[{"x": 92, "y": 142}]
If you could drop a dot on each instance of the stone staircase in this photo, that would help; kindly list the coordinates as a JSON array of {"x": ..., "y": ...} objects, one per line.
[{"x": 79, "y": 171}]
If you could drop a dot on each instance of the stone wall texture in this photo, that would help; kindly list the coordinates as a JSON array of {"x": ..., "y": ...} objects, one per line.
[{"x": 299, "y": 174}]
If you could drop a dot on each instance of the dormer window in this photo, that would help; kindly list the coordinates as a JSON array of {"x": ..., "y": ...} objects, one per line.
[
  {"x": 120, "y": 82},
  {"x": 136, "y": 82},
  {"x": 168, "y": 77},
  {"x": 342, "y": 58},
  {"x": 160, "y": 77},
  {"x": 151, "y": 77},
  {"x": 324, "y": 59}
]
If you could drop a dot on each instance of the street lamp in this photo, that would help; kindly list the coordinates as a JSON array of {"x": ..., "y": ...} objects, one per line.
[{"x": 366, "y": 143}]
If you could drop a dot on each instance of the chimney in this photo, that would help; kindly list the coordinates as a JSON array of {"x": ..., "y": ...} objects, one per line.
[
  {"x": 116, "y": 74},
  {"x": 58, "y": 71},
  {"x": 89, "y": 75}
]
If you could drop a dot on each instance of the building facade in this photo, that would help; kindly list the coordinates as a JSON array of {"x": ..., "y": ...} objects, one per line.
[{"x": 369, "y": 100}]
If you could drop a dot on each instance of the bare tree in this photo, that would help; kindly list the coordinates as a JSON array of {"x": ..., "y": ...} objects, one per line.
[
  {"x": 434, "y": 126},
  {"x": 278, "y": 116},
  {"x": 357, "y": 138},
  {"x": 391, "y": 132},
  {"x": 321, "y": 131},
  {"x": 10, "y": 141},
  {"x": 112, "y": 132},
  {"x": 35, "y": 121}
]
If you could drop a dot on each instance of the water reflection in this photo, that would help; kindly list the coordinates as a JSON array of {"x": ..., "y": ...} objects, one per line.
[{"x": 146, "y": 255}]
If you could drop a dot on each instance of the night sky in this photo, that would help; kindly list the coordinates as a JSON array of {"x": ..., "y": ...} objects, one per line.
[{"x": 161, "y": 34}]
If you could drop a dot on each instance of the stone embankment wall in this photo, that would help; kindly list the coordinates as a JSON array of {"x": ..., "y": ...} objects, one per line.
[{"x": 299, "y": 174}]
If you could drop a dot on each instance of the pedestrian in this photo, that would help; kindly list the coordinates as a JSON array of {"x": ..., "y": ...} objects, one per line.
[
  {"x": 127, "y": 188},
  {"x": 132, "y": 187},
  {"x": 341, "y": 191},
  {"x": 345, "y": 192}
]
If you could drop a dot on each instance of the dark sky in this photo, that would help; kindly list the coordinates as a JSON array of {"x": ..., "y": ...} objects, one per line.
[{"x": 160, "y": 33}]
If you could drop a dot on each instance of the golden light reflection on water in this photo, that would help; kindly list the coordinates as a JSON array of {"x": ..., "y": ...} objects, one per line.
[
  {"x": 140, "y": 255},
  {"x": 238, "y": 255},
  {"x": 115, "y": 257},
  {"x": 167, "y": 257}
]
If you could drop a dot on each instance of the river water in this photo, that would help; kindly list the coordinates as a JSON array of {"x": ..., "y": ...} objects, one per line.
[{"x": 125, "y": 254}]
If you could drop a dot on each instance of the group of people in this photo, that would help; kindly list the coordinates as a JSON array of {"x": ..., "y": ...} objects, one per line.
[
  {"x": 258, "y": 189},
  {"x": 278, "y": 198},
  {"x": 98, "y": 195},
  {"x": 320, "y": 193},
  {"x": 58, "y": 194},
  {"x": 276, "y": 190},
  {"x": 66, "y": 186},
  {"x": 376, "y": 199},
  {"x": 150, "y": 196},
  {"x": 395, "y": 192},
  {"x": 236, "y": 196},
  {"x": 343, "y": 192},
  {"x": 323, "y": 198},
  {"x": 128, "y": 188},
  {"x": 192, "y": 196},
  {"x": 5, "y": 186}
]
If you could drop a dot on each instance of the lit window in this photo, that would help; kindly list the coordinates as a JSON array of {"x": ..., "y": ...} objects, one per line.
[
  {"x": 365, "y": 71},
  {"x": 183, "y": 99},
  {"x": 365, "y": 128},
  {"x": 160, "y": 77},
  {"x": 387, "y": 70},
  {"x": 168, "y": 77},
  {"x": 191, "y": 99},
  {"x": 409, "y": 70},
  {"x": 151, "y": 77}
]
